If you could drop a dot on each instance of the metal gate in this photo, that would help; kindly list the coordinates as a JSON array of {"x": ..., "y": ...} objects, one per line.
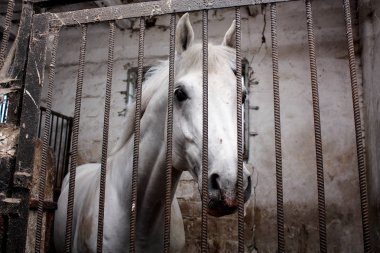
[{"x": 46, "y": 25}]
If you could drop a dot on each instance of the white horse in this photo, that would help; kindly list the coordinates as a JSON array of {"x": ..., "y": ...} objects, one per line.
[{"x": 187, "y": 148}]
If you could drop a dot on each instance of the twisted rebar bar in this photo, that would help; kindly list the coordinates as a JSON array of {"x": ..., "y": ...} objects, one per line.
[
  {"x": 277, "y": 131},
  {"x": 204, "y": 235},
  {"x": 45, "y": 144},
  {"x": 136, "y": 141},
  {"x": 6, "y": 32},
  {"x": 360, "y": 149},
  {"x": 74, "y": 149},
  {"x": 107, "y": 107},
  {"x": 169, "y": 136}
]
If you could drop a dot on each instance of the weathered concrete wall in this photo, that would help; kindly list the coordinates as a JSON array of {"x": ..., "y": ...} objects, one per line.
[
  {"x": 370, "y": 43},
  {"x": 299, "y": 169}
]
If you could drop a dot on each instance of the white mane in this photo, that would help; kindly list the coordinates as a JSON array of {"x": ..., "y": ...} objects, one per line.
[{"x": 157, "y": 78}]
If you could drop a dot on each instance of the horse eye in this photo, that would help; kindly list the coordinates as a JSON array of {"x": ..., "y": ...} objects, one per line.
[{"x": 180, "y": 94}]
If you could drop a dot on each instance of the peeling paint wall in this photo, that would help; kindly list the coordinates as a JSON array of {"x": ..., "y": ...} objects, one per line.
[{"x": 299, "y": 166}]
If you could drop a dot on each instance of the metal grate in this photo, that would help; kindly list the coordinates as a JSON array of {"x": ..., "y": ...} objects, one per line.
[
  {"x": 46, "y": 24},
  {"x": 59, "y": 140}
]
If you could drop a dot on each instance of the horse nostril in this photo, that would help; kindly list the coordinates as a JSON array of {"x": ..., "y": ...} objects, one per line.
[
  {"x": 248, "y": 183},
  {"x": 214, "y": 182},
  {"x": 248, "y": 189}
]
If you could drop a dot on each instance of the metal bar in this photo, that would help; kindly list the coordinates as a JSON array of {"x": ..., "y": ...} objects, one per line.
[
  {"x": 65, "y": 153},
  {"x": 6, "y": 104},
  {"x": 59, "y": 167},
  {"x": 68, "y": 152},
  {"x": 73, "y": 165},
  {"x": 277, "y": 131},
  {"x": 240, "y": 183},
  {"x": 1, "y": 115},
  {"x": 136, "y": 141},
  {"x": 146, "y": 9},
  {"x": 317, "y": 129},
  {"x": 2, "y": 107},
  {"x": 360, "y": 149},
  {"x": 169, "y": 136},
  {"x": 40, "y": 124},
  {"x": 7, "y": 29},
  {"x": 12, "y": 29},
  {"x": 56, "y": 132},
  {"x": 204, "y": 245},
  {"x": 28, "y": 131},
  {"x": 55, "y": 3},
  {"x": 107, "y": 107},
  {"x": 51, "y": 128},
  {"x": 45, "y": 145},
  {"x": 246, "y": 145},
  {"x": 57, "y": 114}
]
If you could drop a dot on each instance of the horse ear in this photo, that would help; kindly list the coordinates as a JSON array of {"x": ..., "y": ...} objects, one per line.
[
  {"x": 230, "y": 39},
  {"x": 184, "y": 34}
]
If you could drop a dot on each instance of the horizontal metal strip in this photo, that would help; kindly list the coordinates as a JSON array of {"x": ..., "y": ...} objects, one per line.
[{"x": 145, "y": 9}]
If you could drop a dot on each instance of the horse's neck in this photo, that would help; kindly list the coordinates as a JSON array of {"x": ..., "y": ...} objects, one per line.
[{"x": 151, "y": 172}]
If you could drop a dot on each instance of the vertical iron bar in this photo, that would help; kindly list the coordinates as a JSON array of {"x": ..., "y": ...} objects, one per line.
[
  {"x": 1, "y": 111},
  {"x": 360, "y": 149},
  {"x": 56, "y": 132},
  {"x": 7, "y": 29},
  {"x": 317, "y": 129},
  {"x": 169, "y": 137},
  {"x": 136, "y": 145},
  {"x": 6, "y": 104},
  {"x": 204, "y": 246},
  {"x": 240, "y": 183},
  {"x": 65, "y": 151},
  {"x": 68, "y": 148},
  {"x": 59, "y": 166},
  {"x": 73, "y": 164},
  {"x": 277, "y": 131},
  {"x": 45, "y": 145},
  {"x": 40, "y": 124},
  {"x": 107, "y": 107},
  {"x": 51, "y": 128}
]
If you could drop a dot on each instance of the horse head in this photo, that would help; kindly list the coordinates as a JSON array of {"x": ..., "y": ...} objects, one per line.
[{"x": 222, "y": 115}]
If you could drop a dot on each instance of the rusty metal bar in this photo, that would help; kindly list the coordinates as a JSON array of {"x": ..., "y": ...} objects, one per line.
[
  {"x": 277, "y": 131},
  {"x": 7, "y": 29},
  {"x": 55, "y": 134},
  {"x": 317, "y": 129},
  {"x": 59, "y": 165},
  {"x": 360, "y": 149},
  {"x": 204, "y": 245},
  {"x": 45, "y": 144},
  {"x": 73, "y": 164},
  {"x": 169, "y": 136},
  {"x": 240, "y": 183},
  {"x": 146, "y": 9},
  {"x": 107, "y": 107},
  {"x": 136, "y": 140},
  {"x": 51, "y": 129}
]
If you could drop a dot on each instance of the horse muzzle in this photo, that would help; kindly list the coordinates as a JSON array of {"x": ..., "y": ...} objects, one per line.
[{"x": 224, "y": 202}]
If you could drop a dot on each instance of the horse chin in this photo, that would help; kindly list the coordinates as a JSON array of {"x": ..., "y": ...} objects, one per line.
[{"x": 220, "y": 208}]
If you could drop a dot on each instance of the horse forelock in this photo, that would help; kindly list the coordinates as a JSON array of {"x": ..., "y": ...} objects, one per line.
[{"x": 156, "y": 79}]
